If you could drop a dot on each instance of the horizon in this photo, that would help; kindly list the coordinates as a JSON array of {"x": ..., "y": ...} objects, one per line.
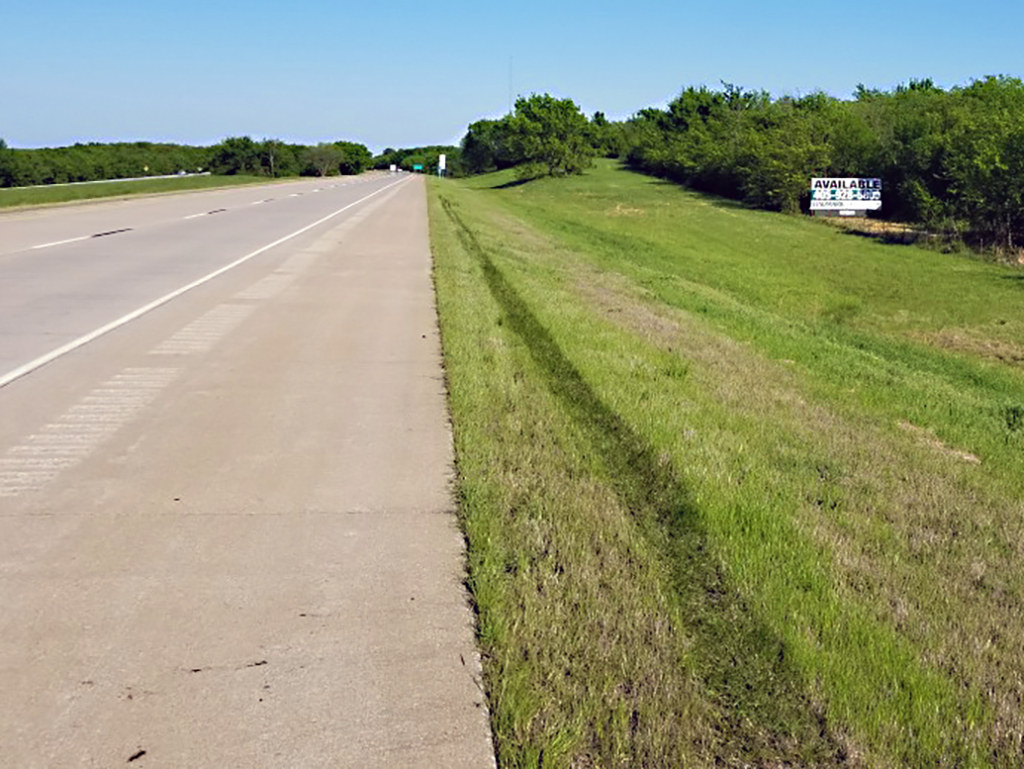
[
  {"x": 194, "y": 74},
  {"x": 377, "y": 148}
]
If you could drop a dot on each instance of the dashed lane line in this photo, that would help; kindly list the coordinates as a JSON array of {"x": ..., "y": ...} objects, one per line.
[
  {"x": 190, "y": 216},
  {"x": 62, "y": 242},
  {"x": 83, "y": 340}
]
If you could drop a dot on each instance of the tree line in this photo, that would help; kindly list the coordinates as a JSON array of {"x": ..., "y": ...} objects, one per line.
[
  {"x": 951, "y": 160},
  {"x": 427, "y": 158},
  {"x": 125, "y": 160}
]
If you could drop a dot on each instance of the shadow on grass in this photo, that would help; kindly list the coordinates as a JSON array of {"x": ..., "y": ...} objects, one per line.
[
  {"x": 713, "y": 199},
  {"x": 889, "y": 237},
  {"x": 766, "y": 715},
  {"x": 511, "y": 184}
]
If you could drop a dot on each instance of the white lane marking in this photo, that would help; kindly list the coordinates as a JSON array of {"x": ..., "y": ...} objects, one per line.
[
  {"x": 195, "y": 216},
  {"x": 62, "y": 242},
  {"x": 51, "y": 356},
  {"x": 74, "y": 435},
  {"x": 203, "y": 333}
]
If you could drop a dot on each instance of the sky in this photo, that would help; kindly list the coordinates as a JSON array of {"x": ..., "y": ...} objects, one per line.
[{"x": 403, "y": 74}]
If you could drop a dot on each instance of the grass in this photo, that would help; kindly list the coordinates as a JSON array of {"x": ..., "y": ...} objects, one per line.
[
  {"x": 737, "y": 488},
  {"x": 36, "y": 196}
]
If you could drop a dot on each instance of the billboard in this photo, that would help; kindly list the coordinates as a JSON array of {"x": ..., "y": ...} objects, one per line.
[{"x": 848, "y": 196}]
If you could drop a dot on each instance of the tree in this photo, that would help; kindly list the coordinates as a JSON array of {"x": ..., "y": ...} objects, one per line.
[
  {"x": 609, "y": 139},
  {"x": 323, "y": 158},
  {"x": 6, "y": 165},
  {"x": 235, "y": 155},
  {"x": 274, "y": 156},
  {"x": 550, "y": 136},
  {"x": 487, "y": 146},
  {"x": 984, "y": 159},
  {"x": 355, "y": 158}
]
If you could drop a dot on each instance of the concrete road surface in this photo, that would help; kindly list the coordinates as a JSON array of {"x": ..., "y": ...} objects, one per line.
[{"x": 226, "y": 530}]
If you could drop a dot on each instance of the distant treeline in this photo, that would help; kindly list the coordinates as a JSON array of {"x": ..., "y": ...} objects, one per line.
[
  {"x": 951, "y": 160},
  {"x": 408, "y": 159},
  {"x": 235, "y": 155}
]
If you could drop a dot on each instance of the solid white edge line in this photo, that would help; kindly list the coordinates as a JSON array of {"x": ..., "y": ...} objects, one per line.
[
  {"x": 62, "y": 242},
  {"x": 41, "y": 361},
  {"x": 194, "y": 216}
]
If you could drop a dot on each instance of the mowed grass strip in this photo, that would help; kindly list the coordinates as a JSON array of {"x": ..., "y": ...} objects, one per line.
[
  {"x": 840, "y": 578},
  {"x": 11, "y": 197},
  {"x": 587, "y": 659}
]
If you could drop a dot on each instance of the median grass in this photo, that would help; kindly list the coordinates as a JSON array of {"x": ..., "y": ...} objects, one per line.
[
  {"x": 36, "y": 196},
  {"x": 737, "y": 488}
]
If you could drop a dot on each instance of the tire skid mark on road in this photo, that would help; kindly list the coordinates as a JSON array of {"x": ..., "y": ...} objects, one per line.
[
  {"x": 203, "y": 333},
  {"x": 72, "y": 437}
]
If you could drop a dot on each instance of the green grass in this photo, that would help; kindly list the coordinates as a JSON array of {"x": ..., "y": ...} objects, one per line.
[
  {"x": 736, "y": 487},
  {"x": 37, "y": 196}
]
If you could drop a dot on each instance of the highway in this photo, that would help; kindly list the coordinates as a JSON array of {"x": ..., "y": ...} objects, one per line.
[{"x": 226, "y": 526}]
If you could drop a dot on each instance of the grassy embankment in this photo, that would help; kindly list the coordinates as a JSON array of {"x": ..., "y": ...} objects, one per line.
[
  {"x": 736, "y": 487},
  {"x": 36, "y": 196}
]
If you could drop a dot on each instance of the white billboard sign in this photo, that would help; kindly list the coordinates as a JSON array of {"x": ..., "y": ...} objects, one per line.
[
  {"x": 846, "y": 194},
  {"x": 442, "y": 161}
]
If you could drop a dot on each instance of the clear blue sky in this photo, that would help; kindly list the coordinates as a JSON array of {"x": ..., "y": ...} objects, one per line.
[{"x": 404, "y": 74}]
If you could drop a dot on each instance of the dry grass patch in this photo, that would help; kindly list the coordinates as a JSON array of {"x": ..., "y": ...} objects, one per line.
[
  {"x": 624, "y": 210},
  {"x": 928, "y": 438},
  {"x": 971, "y": 342}
]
